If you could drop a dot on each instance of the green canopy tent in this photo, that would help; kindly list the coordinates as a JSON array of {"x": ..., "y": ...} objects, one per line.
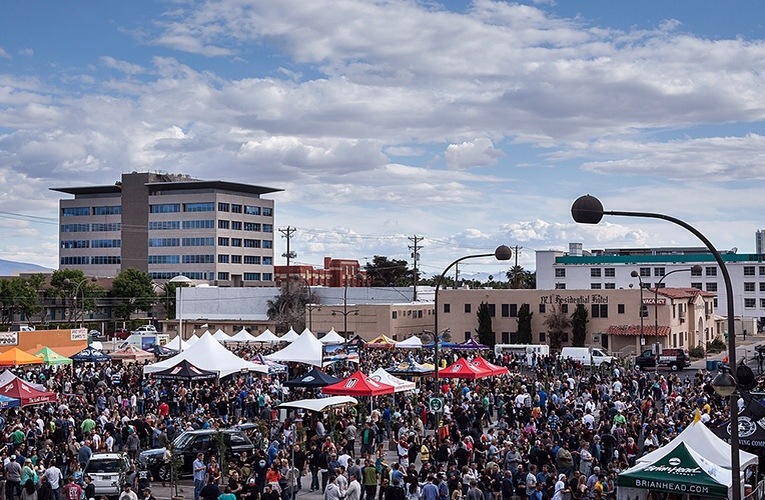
[
  {"x": 51, "y": 357},
  {"x": 681, "y": 470}
]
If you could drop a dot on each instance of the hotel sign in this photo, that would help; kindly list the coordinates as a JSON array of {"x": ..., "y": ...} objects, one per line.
[
  {"x": 555, "y": 299},
  {"x": 651, "y": 301}
]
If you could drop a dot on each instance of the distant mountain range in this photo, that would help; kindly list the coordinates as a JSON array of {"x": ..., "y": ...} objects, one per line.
[{"x": 11, "y": 268}]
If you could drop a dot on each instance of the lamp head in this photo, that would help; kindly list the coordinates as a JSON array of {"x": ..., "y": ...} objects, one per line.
[
  {"x": 503, "y": 252},
  {"x": 696, "y": 269},
  {"x": 587, "y": 210},
  {"x": 724, "y": 384},
  {"x": 634, "y": 274}
]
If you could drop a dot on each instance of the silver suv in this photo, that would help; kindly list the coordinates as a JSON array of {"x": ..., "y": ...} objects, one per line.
[{"x": 109, "y": 472}]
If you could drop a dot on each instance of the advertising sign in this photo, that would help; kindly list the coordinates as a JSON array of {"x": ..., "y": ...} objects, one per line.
[
  {"x": 9, "y": 338},
  {"x": 79, "y": 334}
]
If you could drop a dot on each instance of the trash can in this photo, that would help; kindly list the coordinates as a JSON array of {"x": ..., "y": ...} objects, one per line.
[{"x": 712, "y": 365}]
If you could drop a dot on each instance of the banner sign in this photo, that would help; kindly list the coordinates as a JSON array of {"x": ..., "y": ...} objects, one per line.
[
  {"x": 79, "y": 334},
  {"x": 9, "y": 338}
]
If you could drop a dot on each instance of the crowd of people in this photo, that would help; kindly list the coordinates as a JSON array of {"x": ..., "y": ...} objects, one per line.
[{"x": 550, "y": 430}]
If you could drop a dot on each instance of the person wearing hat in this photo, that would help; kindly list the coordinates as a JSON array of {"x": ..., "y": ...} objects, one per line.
[{"x": 561, "y": 488}]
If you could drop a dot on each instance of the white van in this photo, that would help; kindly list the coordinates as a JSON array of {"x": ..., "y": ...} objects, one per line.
[
  {"x": 588, "y": 356},
  {"x": 539, "y": 349}
]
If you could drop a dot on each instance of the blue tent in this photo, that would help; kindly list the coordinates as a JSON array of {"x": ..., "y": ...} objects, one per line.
[
  {"x": 90, "y": 355},
  {"x": 6, "y": 402}
]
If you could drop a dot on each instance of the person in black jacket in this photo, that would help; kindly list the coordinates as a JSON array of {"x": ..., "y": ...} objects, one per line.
[
  {"x": 395, "y": 492},
  {"x": 45, "y": 492},
  {"x": 210, "y": 491},
  {"x": 90, "y": 488}
]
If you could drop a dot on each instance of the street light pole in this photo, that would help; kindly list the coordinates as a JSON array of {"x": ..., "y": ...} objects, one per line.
[
  {"x": 68, "y": 282},
  {"x": 180, "y": 282},
  {"x": 589, "y": 210},
  {"x": 636, "y": 274},
  {"x": 502, "y": 252},
  {"x": 345, "y": 312},
  {"x": 696, "y": 268}
]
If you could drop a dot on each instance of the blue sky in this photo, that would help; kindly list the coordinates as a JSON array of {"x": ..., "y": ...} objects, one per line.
[{"x": 471, "y": 124}]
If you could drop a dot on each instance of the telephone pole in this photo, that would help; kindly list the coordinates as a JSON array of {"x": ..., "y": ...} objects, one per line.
[
  {"x": 415, "y": 248},
  {"x": 287, "y": 232},
  {"x": 515, "y": 282}
]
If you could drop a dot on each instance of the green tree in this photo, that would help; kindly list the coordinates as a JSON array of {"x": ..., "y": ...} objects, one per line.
[
  {"x": 524, "y": 324},
  {"x": 132, "y": 290},
  {"x": 557, "y": 322},
  {"x": 484, "y": 330},
  {"x": 383, "y": 272},
  {"x": 18, "y": 297},
  {"x": 519, "y": 278},
  {"x": 579, "y": 326},
  {"x": 289, "y": 307},
  {"x": 77, "y": 291}
]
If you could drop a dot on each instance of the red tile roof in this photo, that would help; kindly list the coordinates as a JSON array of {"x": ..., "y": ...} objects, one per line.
[
  {"x": 682, "y": 293},
  {"x": 634, "y": 330}
]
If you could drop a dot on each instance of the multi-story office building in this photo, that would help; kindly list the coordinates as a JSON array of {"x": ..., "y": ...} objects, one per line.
[
  {"x": 612, "y": 269},
  {"x": 166, "y": 225}
]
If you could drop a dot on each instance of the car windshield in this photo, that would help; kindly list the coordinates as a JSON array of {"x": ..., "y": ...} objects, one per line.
[
  {"x": 103, "y": 466},
  {"x": 183, "y": 440}
]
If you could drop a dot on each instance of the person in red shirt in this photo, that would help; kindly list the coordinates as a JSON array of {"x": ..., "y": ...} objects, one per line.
[
  {"x": 72, "y": 490},
  {"x": 164, "y": 408}
]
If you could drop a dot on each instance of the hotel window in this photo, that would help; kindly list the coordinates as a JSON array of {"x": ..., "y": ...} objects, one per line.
[
  {"x": 610, "y": 286},
  {"x": 711, "y": 271},
  {"x": 659, "y": 271},
  {"x": 595, "y": 272},
  {"x": 748, "y": 270},
  {"x": 696, "y": 285},
  {"x": 696, "y": 271},
  {"x": 749, "y": 286},
  {"x": 645, "y": 272},
  {"x": 750, "y": 303},
  {"x": 599, "y": 310},
  {"x": 447, "y": 308},
  {"x": 609, "y": 272},
  {"x": 560, "y": 272},
  {"x": 595, "y": 286},
  {"x": 560, "y": 286},
  {"x": 468, "y": 309},
  {"x": 711, "y": 287},
  {"x": 620, "y": 308}
]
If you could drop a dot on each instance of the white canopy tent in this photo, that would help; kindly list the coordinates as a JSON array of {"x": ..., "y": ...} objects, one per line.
[
  {"x": 305, "y": 349},
  {"x": 399, "y": 385},
  {"x": 222, "y": 336},
  {"x": 320, "y": 404},
  {"x": 192, "y": 340},
  {"x": 290, "y": 336},
  {"x": 410, "y": 343},
  {"x": 332, "y": 338},
  {"x": 208, "y": 354},
  {"x": 267, "y": 337},
  {"x": 178, "y": 344},
  {"x": 243, "y": 336}
]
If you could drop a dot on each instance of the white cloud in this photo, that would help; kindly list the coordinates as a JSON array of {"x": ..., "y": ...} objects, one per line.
[
  {"x": 4, "y": 54},
  {"x": 29, "y": 52},
  {"x": 122, "y": 66},
  {"x": 477, "y": 153}
]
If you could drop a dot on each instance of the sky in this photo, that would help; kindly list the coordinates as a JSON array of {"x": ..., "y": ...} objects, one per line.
[{"x": 469, "y": 124}]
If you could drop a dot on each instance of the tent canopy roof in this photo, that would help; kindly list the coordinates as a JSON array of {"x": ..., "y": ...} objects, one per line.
[
  {"x": 15, "y": 356},
  {"x": 332, "y": 337},
  {"x": 290, "y": 336},
  {"x": 305, "y": 349},
  {"x": 320, "y": 404},
  {"x": 399, "y": 385},
  {"x": 313, "y": 378},
  {"x": 267, "y": 337},
  {"x": 358, "y": 384},
  {"x": 410, "y": 343}
]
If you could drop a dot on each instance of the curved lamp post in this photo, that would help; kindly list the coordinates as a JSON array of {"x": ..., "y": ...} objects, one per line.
[
  {"x": 589, "y": 210},
  {"x": 636, "y": 274},
  {"x": 180, "y": 282},
  {"x": 502, "y": 252},
  {"x": 78, "y": 284}
]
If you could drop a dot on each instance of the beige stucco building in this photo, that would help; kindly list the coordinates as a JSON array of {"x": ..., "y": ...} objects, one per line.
[{"x": 398, "y": 321}]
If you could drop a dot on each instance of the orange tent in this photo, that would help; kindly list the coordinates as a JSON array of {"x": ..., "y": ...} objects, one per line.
[{"x": 15, "y": 357}]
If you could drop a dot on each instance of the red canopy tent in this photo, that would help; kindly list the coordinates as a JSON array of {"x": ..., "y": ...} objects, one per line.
[
  {"x": 358, "y": 384},
  {"x": 480, "y": 362},
  {"x": 28, "y": 395},
  {"x": 462, "y": 368}
]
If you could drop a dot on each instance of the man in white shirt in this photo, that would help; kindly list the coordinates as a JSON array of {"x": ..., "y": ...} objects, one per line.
[
  {"x": 53, "y": 475},
  {"x": 354, "y": 489}
]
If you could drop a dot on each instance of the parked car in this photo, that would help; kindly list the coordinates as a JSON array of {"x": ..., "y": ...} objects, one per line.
[
  {"x": 109, "y": 472},
  {"x": 674, "y": 359},
  {"x": 588, "y": 356},
  {"x": 121, "y": 333},
  {"x": 190, "y": 443},
  {"x": 145, "y": 329}
]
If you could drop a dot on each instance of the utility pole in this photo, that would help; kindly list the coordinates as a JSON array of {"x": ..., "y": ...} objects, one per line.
[
  {"x": 415, "y": 248},
  {"x": 287, "y": 232},
  {"x": 515, "y": 281}
]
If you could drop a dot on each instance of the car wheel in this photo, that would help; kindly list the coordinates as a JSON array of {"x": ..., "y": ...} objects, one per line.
[
  {"x": 164, "y": 472},
  {"x": 675, "y": 368}
]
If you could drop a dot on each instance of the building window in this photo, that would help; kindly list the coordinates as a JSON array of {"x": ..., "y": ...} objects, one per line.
[
  {"x": 468, "y": 336},
  {"x": 105, "y": 259},
  {"x": 164, "y": 242},
  {"x": 505, "y": 337},
  {"x": 251, "y": 210},
  {"x": 660, "y": 285},
  {"x": 222, "y": 259},
  {"x": 645, "y": 272},
  {"x": 164, "y": 259},
  {"x": 223, "y": 242},
  {"x": 75, "y": 211},
  {"x": 542, "y": 337},
  {"x": 644, "y": 310},
  {"x": 268, "y": 277},
  {"x": 105, "y": 243},
  {"x": 237, "y": 209},
  {"x": 75, "y": 228},
  {"x": 198, "y": 259},
  {"x": 595, "y": 272},
  {"x": 223, "y": 207},
  {"x": 762, "y": 303},
  {"x": 513, "y": 310},
  {"x": 467, "y": 308},
  {"x": 268, "y": 261},
  {"x": 199, "y": 242},
  {"x": 199, "y": 207},
  {"x": 560, "y": 286},
  {"x": 164, "y": 225},
  {"x": 74, "y": 261},
  {"x": 609, "y": 272},
  {"x": 595, "y": 286},
  {"x": 252, "y": 226},
  {"x": 696, "y": 285},
  {"x": 748, "y": 270},
  {"x": 252, "y": 276},
  {"x": 695, "y": 271},
  {"x": 268, "y": 228},
  {"x": 108, "y": 210},
  {"x": 750, "y": 303},
  {"x": 542, "y": 308},
  {"x": 560, "y": 272},
  {"x": 762, "y": 286},
  {"x": 68, "y": 244},
  {"x": 236, "y": 225},
  {"x": 620, "y": 308},
  {"x": 111, "y": 226},
  {"x": 236, "y": 259},
  {"x": 712, "y": 287},
  {"x": 711, "y": 271},
  {"x": 268, "y": 244},
  {"x": 252, "y": 259},
  {"x": 222, "y": 224},
  {"x": 610, "y": 286},
  {"x": 394, "y": 315},
  {"x": 236, "y": 242},
  {"x": 762, "y": 270},
  {"x": 165, "y": 208},
  {"x": 505, "y": 310},
  {"x": 492, "y": 310},
  {"x": 201, "y": 224},
  {"x": 564, "y": 308},
  {"x": 749, "y": 286},
  {"x": 223, "y": 276},
  {"x": 447, "y": 308},
  {"x": 268, "y": 212},
  {"x": 659, "y": 271},
  {"x": 599, "y": 310},
  {"x": 248, "y": 243}
]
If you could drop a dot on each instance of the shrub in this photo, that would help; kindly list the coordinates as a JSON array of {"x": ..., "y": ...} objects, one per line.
[
  {"x": 696, "y": 352},
  {"x": 717, "y": 345}
]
